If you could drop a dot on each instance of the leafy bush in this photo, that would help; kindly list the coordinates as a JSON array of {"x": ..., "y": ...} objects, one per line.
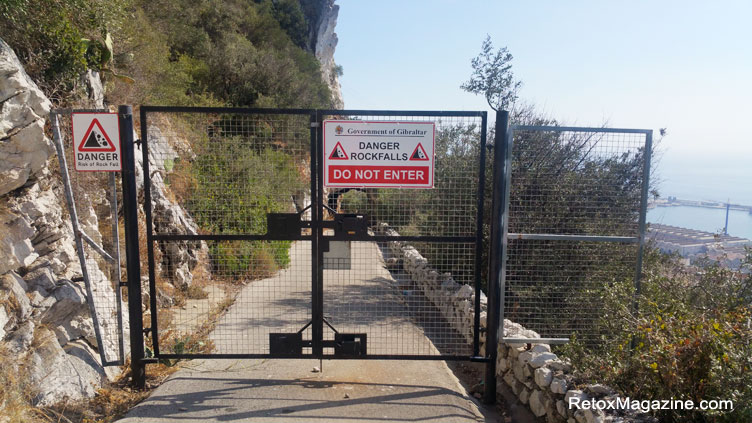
[
  {"x": 692, "y": 340},
  {"x": 236, "y": 185},
  {"x": 49, "y": 37},
  {"x": 249, "y": 260},
  {"x": 255, "y": 50}
]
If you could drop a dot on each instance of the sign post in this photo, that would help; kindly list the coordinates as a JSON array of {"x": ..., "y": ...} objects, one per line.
[
  {"x": 378, "y": 154},
  {"x": 96, "y": 142}
]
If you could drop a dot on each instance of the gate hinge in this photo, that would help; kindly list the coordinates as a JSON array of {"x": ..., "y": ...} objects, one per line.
[{"x": 315, "y": 125}]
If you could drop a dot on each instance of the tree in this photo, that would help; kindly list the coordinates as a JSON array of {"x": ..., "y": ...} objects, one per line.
[{"x": 493, "y": 77}]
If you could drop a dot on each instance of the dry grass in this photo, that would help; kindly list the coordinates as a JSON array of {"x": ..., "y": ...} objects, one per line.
[
  {"x": 182, "y": 182},
  {"x": 195, "y": 292},
  {"x": 110, "y": 403},
  {"x": 15, "y": 400}
]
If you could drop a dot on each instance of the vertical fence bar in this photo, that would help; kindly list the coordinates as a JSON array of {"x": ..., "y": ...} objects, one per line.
[
  {"x": 508, "y": 146},
  {"x": 495, "y": 255},
  {"x": 317, "y": 284},
  {"x": 149, "y": 231},
  {"x": 133, "y": 262},
  {"x": 479, "y": 233},
  {"x": 116, "y": 255},
  {"x": 643, "y": 217}
]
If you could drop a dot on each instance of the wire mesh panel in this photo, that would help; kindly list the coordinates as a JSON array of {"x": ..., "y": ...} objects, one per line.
[
  {"x": 575, "y": 220},
  {"x": 401, "y": 312},
  {"x": 414, "y": 291},
  {"x": 558, "y": 288},
  {"x": 220, "y": 283},
  {"x": 95, "y": 197},
  {"x": 243, "y": 249}
]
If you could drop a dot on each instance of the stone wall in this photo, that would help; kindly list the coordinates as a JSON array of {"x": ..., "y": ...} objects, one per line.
[{"x": 538, "y": 378}]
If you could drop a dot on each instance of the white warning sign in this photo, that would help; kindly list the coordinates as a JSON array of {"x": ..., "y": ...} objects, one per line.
[
  {"x": 96, "y": 142},
  {"x": 359, "y": 154}
]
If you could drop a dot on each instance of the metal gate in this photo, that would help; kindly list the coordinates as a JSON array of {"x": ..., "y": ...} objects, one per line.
[
  {"x": 271, "y": 264},
  {"x": 574, "y": 227}
]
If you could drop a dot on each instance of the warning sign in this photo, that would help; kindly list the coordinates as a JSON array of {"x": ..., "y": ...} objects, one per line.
[
  {"x": 419, "y": 153},
  {"x": 381, "y": 154},
  {"x": 96, "y": 142},
  {"x": 338, "y": 153}
]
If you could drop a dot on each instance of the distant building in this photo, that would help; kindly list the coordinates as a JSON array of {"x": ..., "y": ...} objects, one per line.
[{"x": 693, "y": 244}]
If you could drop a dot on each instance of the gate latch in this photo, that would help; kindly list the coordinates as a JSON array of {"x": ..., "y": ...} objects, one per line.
[
  {"x": 348, "y": 225},
  {"x": 284, "y": 225},
  {"x": 350, "y": 344}
]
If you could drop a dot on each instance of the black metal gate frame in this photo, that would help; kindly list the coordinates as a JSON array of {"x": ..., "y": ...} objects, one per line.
[{"x": 317, "y": 224}]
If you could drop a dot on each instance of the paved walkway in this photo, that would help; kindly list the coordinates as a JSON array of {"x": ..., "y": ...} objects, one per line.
[{"x": 363, "y": 299}]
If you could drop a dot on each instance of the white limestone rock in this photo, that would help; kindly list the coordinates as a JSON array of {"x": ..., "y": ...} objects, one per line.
[
  {"x": 594, "y": 416},
  {"x": 543, "y": 376},
  {"x": 541, "y": 348},
  {"x": 4, "y": 319},
  {"x": 94, "y": 88},
  {"x": 537, "y": 403},
  {"x": 324, "y": 42},
  {"x": 20, "y": 341},
  {"x": 16, "y": 249},
  {"x": 24, "y": 149},
  {"x": 539, "y": 359},
  {"x": 561, "y": 408},
  {"x": 13, "y": 298},
  {"x": 599, "y": 389},
  {"x": 558, "y": 386},
  {"x": 560, "y": 364},
  {"x": 58, "y": 374},
  {"x": 574, "y": 393},
  {"x": 525, "y": 396}
]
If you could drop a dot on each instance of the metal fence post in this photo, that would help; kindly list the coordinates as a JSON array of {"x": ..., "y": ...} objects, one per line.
[
  {"x": 133, "y": 262},
  {"x": 495, "y": 254},
  {"x": 645, "y": 189}
]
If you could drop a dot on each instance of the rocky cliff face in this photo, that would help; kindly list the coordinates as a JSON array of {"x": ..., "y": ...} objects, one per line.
[
  {"x": 323, "y": 41},
  {"x": 44, "y": 319},
  {"x": 45, "y": 322},
  {"x": 23, "y": 147}
]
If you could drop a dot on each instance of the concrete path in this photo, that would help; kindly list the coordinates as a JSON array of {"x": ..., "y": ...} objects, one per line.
[{"x": 362, "y": 299}]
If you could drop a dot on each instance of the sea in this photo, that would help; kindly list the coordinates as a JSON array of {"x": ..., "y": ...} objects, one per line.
[
  {"x": 704, "y": 219},
  {"x": 713, "y": 176}
]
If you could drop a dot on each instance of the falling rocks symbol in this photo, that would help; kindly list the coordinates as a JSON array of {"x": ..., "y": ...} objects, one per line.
[
  {"x": 96, "y": 139},
  {"x": 338, "y": 153},
  {"x": 419, "y": 153}
]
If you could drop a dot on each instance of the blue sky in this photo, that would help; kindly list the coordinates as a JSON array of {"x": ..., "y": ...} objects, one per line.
[{"x": 682, "y": 65}]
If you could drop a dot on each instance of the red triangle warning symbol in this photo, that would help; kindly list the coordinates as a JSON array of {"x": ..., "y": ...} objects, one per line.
[
  {"x": 338, "y": 153},
  {"x": 96, "y": 139},
  {"x": 419, "y": 153}
]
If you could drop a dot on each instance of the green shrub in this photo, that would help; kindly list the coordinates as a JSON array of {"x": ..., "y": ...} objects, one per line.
[
  {"x": 48, "y": 36},
  {"x": 248, "y": 260},
  {"x": 237, "y": 184},
  {"x": 692, "y": 340}
]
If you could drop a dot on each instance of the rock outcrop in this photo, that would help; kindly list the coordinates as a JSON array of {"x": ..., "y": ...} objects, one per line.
[
  {"x": 179, "y": 258},
  {"x": 44, "y": 315},
  {"x": 322, "y": 18},
  {"x": 23, "y": 147}
]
